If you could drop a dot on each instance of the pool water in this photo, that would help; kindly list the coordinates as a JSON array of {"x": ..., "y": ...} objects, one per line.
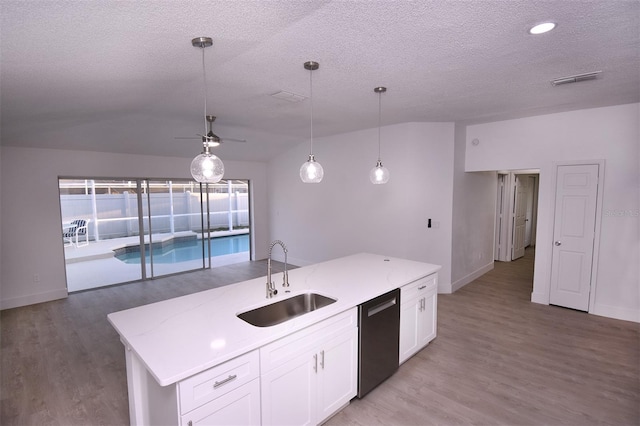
[{"x": 182, "y": 251}]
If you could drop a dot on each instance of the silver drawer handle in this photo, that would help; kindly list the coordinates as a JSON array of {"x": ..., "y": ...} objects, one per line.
[
  {"x": 423, "y": 287},
  {"x": 227, "y": 380}
]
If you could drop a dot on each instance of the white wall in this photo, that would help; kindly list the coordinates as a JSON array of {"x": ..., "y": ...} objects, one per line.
[
  {"x": 31, "y": 225},
  {"x": 474, "y": 208},
  {"x": 346, "y": 213},
  {"x": 611, "y": 134}
]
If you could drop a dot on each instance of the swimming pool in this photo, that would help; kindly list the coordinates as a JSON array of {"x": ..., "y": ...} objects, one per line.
[{"x": 176, "y": 251}]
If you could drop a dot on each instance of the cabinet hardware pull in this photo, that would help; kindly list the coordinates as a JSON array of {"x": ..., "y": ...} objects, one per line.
[
  {"x": 422, "y": 287},
  {"x": 315, "y": 362},
  {"x": 190, "y": 423},
  {"x": 227, "y": 380},
  {"x": 322, "y": 359}
]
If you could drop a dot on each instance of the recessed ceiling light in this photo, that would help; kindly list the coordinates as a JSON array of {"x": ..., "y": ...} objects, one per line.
[{"x": 542, "y": 28}]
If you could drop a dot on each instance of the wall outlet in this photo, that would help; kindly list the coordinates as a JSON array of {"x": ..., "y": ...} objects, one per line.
[{"x": 36, "y": 278}]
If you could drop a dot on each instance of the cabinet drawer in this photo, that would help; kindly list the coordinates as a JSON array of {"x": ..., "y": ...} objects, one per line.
[
  {"x": 279, "y": 352},
  {"x": 419, "y": 288},
  {"x": 240, "y": 406},
  {"x": 215, "y": 382}
]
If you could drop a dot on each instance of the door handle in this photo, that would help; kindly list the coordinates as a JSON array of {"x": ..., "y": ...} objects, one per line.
[
  {"x": 381, "y": 307},
  {"x": 322, "y": 359},
  {"x": 557, "y": 243}
]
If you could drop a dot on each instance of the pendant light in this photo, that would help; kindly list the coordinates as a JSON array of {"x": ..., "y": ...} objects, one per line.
[
  {"x": 206, "y": 167},
  {"x": 311, "y": 171},
  {"x": 379, "y": 174}
]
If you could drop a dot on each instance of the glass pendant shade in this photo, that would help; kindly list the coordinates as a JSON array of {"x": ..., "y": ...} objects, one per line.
[
  {"x": 311, "y": 171},
  {"x": 379, "y": 174},
  {"x": 207, "y": 168}
]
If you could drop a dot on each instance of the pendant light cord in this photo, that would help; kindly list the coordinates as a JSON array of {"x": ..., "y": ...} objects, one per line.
[
  {"x": 311, "y": 102},
  {"x": 204, "y": 78},
  {"x": 379, "y": 121}
]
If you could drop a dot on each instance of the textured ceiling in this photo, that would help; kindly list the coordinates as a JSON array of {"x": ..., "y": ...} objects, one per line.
[{"x": 123, "y": 77}]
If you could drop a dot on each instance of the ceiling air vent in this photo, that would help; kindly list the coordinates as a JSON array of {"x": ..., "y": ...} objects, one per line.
[
  {"x": 288, "y": 96},
  {"x": 576, "y": 78}
]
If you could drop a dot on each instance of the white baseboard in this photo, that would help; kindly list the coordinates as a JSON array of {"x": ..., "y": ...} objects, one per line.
[
  {"x": 457, "y": 285},
  {"x": 31, "y": 299},
  {"x": 616, "y": 312}
]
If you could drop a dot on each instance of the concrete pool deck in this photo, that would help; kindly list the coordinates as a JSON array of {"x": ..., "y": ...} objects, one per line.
[{"x": 95, "y": 266}]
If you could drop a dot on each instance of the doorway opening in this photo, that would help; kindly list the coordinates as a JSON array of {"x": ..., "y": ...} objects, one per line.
[
  {"x": 139, "y": 229},
  {"x": 516, "y": 216},
  {"x": 516, "y": 213}
]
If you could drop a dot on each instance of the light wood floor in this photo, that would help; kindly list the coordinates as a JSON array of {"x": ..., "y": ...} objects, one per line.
[{"x": 498, "y": 359}]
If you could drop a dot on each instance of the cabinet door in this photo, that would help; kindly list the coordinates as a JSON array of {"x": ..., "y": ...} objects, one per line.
[
  {"x": 240, "y": 406},
  {"x": 289, "y": 392},
  {"x": 428, "y": 320},
  {"x": 337, "y": 373},
  {"x": 410, "y": 316}
]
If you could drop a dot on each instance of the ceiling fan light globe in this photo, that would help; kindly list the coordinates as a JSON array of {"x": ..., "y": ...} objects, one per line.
[{"x": 207, "y": 168}]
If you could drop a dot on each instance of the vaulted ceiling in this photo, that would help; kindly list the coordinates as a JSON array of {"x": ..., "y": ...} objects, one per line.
[{"x": 122, "y": 76}]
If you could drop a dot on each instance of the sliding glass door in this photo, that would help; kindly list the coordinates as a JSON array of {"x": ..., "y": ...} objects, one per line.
[
  {"x": 173, "y": 219},
  {"x": 137, "y": 229},
  {"x": 110, "y": 209}
]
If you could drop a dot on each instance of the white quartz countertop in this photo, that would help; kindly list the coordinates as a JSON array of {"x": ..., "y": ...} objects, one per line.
[{"x": 180, "y": 337}]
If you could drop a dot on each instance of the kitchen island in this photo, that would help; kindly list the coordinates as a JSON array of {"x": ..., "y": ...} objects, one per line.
[{"x": 170, "y": 344}]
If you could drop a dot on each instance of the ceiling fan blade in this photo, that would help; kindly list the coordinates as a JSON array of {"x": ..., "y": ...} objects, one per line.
[
  {"x": 193, "y": 137},
  {"x": 232, "y": 140}
]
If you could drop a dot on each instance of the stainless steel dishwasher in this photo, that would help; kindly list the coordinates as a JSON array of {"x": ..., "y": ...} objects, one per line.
[{"x": 379, "y": 340}]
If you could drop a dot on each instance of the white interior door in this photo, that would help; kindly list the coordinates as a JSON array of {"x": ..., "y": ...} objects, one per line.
[
  {"x": 528, "y": 233},
  {"x": 573, "y": 235},
  {"x": 519, "y": 219},
  {"x": 502, "y": 214}
]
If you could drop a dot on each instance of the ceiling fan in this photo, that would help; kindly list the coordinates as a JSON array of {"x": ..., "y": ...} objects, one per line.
[{"x": 211, "y": 139}]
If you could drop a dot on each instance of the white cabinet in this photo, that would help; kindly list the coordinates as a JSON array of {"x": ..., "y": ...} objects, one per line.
[
  {"x": 418, "y": 315},
  {"x": 240, "y": 406},
  {"x": 311, "y": 374},
  {"x": 228, "y": 394}
]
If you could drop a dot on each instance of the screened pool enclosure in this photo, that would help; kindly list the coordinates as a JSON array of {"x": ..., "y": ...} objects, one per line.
[{"x": 174, "y": 225}]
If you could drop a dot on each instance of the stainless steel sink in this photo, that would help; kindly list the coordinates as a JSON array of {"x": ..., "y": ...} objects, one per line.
[{"x": 284, "y": 310}]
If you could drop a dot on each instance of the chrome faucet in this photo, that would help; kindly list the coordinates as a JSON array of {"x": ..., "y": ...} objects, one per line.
[{"x": 271, "y": 289}]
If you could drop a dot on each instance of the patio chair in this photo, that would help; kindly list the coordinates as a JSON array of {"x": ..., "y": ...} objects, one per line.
[{"x": 74, "y": 231}]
